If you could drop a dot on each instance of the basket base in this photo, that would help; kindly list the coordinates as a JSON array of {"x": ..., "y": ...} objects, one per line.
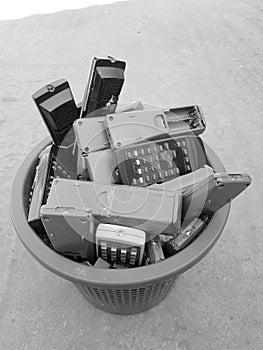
[{"x": 130, "y": 300}]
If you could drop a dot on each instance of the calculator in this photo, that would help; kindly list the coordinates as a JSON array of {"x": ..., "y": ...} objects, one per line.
[{"x": 158, "y": 161}]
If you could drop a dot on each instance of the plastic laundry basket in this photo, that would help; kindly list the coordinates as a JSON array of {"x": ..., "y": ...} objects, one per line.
[{"x": 122, "y": 291}]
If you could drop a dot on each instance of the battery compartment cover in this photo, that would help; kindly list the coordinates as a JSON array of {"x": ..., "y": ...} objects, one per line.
[
  {"x": 70, "y": 230},
  {"x": 127, "y": 128},
  {"x": 91, "y": 134}
]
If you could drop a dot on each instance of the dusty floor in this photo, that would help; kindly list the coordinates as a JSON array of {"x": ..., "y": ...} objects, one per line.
[{"x": 177, "y": 53}]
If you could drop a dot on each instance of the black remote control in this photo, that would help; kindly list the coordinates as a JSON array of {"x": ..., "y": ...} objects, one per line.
[{"x": 159, "y": 161}]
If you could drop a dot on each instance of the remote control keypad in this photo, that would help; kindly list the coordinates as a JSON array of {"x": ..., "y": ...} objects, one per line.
[{"x": 155, "y": 162}]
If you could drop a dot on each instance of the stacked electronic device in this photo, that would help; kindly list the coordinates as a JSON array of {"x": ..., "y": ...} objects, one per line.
[{"x": 122, "y": 186}]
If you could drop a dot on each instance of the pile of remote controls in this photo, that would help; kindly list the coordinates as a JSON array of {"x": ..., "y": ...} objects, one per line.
[{"x": 122, "y": 186}]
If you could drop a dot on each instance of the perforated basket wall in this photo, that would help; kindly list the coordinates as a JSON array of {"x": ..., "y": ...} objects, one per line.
[{"x": 127, "y": 300}]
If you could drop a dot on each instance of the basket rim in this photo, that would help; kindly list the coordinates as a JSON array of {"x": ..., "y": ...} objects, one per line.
[{"x": 83, "y": 274}]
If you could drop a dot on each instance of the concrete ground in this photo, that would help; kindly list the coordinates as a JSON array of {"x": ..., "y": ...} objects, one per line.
[{"x": 177, "y": 53}]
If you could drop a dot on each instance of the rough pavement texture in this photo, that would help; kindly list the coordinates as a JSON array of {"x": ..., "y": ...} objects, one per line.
[{"x": 177, "y": 53}]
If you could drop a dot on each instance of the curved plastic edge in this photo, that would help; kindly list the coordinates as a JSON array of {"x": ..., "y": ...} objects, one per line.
[{"x": 83, "y": 274}]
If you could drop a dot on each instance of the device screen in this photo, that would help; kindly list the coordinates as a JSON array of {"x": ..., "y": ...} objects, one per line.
[
  {"x": 58, "y": 109},
  {"x": 104, "y": 85}
]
